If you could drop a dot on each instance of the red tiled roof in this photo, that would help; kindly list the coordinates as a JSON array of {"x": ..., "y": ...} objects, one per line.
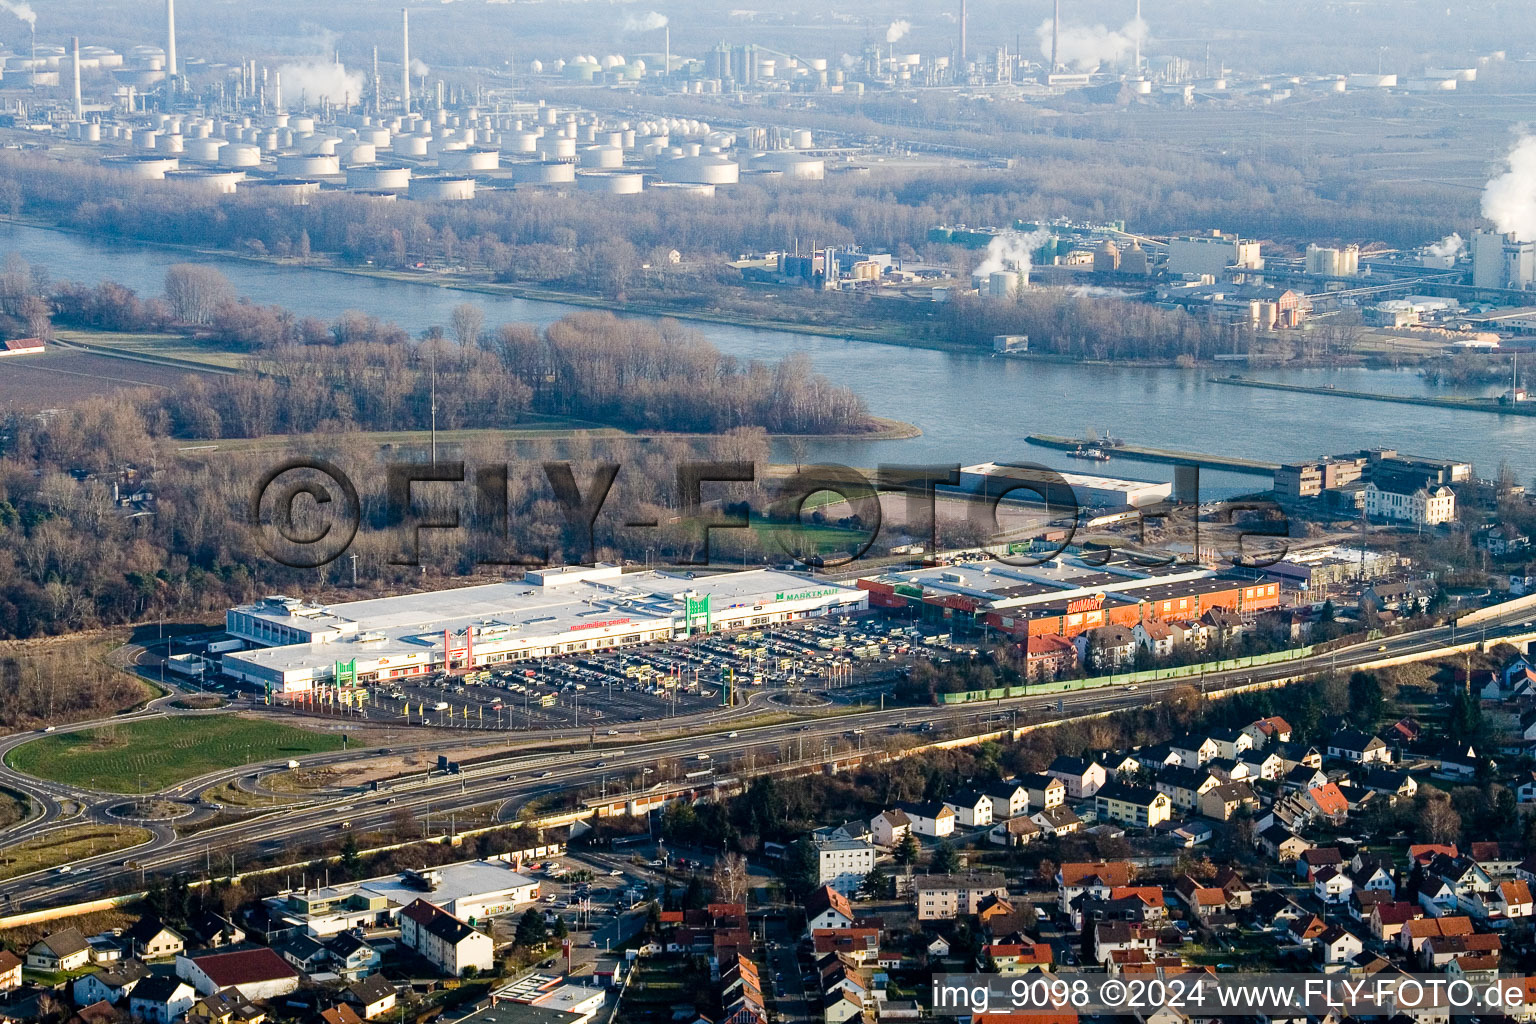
[
  {"x": 244, "y": 967},
  {"x": 1110, "y": 873}
]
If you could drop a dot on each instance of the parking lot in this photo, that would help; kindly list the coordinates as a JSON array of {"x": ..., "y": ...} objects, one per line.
[{"x": 651, "y": 683}]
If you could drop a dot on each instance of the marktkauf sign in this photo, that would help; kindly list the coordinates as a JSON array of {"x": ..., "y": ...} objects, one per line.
[{"x": 805, "y": 595}]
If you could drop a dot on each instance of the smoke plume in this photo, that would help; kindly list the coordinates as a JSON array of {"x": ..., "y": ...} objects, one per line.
[
  {"x": 897, "y": 30},
  {"x": 311, "y": 81},
  {"x": 1012, "y": 250},
  {"x": 1085, "y": 47},
  {"x": 649, "y": 22},
  {"x": 21, "y": 10},
  {"x": 1509, "y": 200},
  {"x": 419, "y": 68},
  {"x": 1451, "y": 245}
]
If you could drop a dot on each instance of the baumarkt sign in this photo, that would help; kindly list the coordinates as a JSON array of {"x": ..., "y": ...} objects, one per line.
[{"x": 805, "y": 595}]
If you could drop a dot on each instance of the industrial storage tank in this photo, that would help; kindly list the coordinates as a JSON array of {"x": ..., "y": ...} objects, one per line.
[
  {"x": 316, "y": 143},
  {"x": 546, "y": 172},
  {"x": 409, "y": 145},
  {"x": 442, "y": 188},
  {"x": 521, "y": 142},
  {"x": 700, "y": 170},
  {"x": 146, "y": 139},
  {"x": 148, "y": 165},
  {"x": 239, "y": 154},
  {"x": 352, "y": 153},
  {"x": 374, "y": 136},
  {"x": 557, "y": 147},
  {"x": 378, "y": 176},
  {"x": 295, "y": 190},
  {"x": 602, "y": 157},
  {"x": 684, "y": 188},
  {"x": 306, "y": 164},
  {"x": 796, "y": 166},
  {"x": 301, "y": 123},
  {"x": 613, "y": 183},
  {"x": 169, "y": 144},
  {"x": 800, "y": 138},
  {"x": 223, "y": 182},
  {"x": 478, "y": 158}
]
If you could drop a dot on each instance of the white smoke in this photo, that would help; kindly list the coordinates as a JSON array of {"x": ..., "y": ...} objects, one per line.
[
  {"x": 847, "y": 60},
  {"x": 649, "y": 22},
  {"x": 1085, "y": 47},
  {"x": 897, "y": 30},
  {"x": 1509, "y": 200},
  {"x": 1451, "y": 245},
  {"x": 22, "y": 11},
  {"x": 1012, "y": 250},
  {"x": 419, "y": 68},
  {"x": 311, "y": 81}
]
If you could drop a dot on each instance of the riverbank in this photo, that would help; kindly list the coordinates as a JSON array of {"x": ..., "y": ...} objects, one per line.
[
  {"x": 1149, "y": 454},
  {"x": 1492, "y": 405}
]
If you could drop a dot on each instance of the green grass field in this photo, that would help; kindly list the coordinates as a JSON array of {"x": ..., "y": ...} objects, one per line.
[
  {"x": 162, "y": 751},
  {"x": 69, "y": 844}
]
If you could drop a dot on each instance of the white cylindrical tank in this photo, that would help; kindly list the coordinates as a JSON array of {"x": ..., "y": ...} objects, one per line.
[
  {"x": 169, "y": 144},
  {"x": 316, "y": 143},
  {"x": 477, "y": 159},
  {"x": 441, "y": 189},
  {"x": 296, "y": 190},
  {"x": 701, "y": 170},
  {"x": 375, "y": 137},
  {"x": 521, "y": 142},
  {"x": 301, "y": 124},
  {"x": 409, "y": 145},
  {"x": 223, "y": 182},
  {"x": 797, "y": 166},
  {"x": 378, "y": 176},
  {"x": 613, "y": 183},
  {"x": 543, "y": 172},
  {"x": 150, "y": 166},
  {"x": 557, "y": 147},
  {"x": 602, "y": 157},
  {"x": 239, "y": 154},
  {"x": 357, "y": 153},
  {"x": 90, "y": 131},
  {"x": 146, "y": 139},
  {"x": 800, "y": 138},
  {"x": 305, "y": 164}
]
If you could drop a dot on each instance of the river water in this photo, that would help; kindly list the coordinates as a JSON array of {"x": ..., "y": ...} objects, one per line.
[{"x": 971, "y": 408}]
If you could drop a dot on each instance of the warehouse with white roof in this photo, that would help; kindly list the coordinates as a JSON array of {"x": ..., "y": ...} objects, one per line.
[{"x": 549, "y": 612}]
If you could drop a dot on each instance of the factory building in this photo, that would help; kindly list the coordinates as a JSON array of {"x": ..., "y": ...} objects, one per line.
[
  {"x": 1502, "y": 261},
  {"x": 1000, "y": 478},
  {"x": 1328, "y": 262},
  {"x": 1066, "y": 596},
  {"x": 1202, "y": 255},
  {"x": 549, "y": 612}
]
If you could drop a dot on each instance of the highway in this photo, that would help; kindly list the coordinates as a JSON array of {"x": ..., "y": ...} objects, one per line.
[{"x": 513, "y": 781}]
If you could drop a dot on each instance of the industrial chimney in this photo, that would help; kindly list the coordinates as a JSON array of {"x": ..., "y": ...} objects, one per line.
[
  {"x": 79, "y": 107},
  {"x": 666, "y": 59},
  {"x": 170, "y": 40},
  {"x": 1055, "y": 34},
  {"x": 277, "y": 92},
  {"x": 962, "y": 35},
  {"x": 405, "y": 60}
]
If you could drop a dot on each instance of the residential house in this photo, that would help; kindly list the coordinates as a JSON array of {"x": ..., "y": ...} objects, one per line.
[
  {"x": 255, "y": 973},
  {"x": 1132, "y": 805},
  {"x": 1337, "y": 946},
  {"x": 1232, "y": 744},
  {"x": 10, "y": 971},
  {"x": 1184, "y": 786},
  {"x": 371, "y": 997},
  {"x": 110, "y": 984},
  {"x": 306, "y": 953},
  {"x": 63, "y": 950},
  {"x": 150, "y": 939},
  {"x": 1009, "y": 958},
  {"x": 1269, "y": 730},
  {"x": 341, "y": 1013},
  {"x": 1494, "y": 857},
  {"x": 1301, "y": 778},
  {"x": 351, "y": 956},
  {"x": 1225, "y": 802},
  {"x": 1263, "y": 765},
  {"x": 1049, "y": 657},
  {"x": 1372, "y": 874},
  {"x": 1411, "y": 500},
  {"x": 1331, "y": 886},
  {"x": 161, "y": 999},
  {"x": 1193, "y": 749},
  {"x": 1389, "y": 783},
  {"x": 945, "y": 897},
  {"x": 225, "y": 1008},
  {"x": 1414, "y": 934},
  {"x": 1109, "y": 648},
  {"x": 1157, "y": 638},
  {"x": 1082, "y": 776},
  {"x": 1227, "y": 769},
  {"x": 1009, "y": 799},
  {"x": 1015, "y": 832},
  {"x": 1387, "y": 919},
  {"x": 842, "y": 863},
  {"x": 1094, "y": 878},
  {"x": 1282, "y": 844},
  {"x": 1203, "y": 901},
  {"x": 1316, "y": 859},
  {"x": 930, "y": 818},
  {"x": 1358, "y": 747},
  {"x": 212, "y": 931},
  {"x": 1220, "y": 626},
  {"x": 1045, "y": 791},
  {"x": 1329, "y": 802},
  {"x": 972, "y": 808},
  {"x": 443, "y": 940},
  {"x": 889, "y": 828},
  {"x": 1056, "y": 821},
  {"x": 1110, "y": 937},
  {"x": 827, "y": 908}
]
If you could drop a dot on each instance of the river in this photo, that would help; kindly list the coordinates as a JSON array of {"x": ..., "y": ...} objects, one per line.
[{"x": 971, "y": 408}]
